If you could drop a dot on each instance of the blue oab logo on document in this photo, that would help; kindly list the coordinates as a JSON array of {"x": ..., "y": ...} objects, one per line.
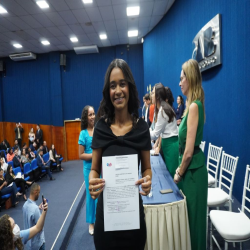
[{"x": 109, "y": 164}]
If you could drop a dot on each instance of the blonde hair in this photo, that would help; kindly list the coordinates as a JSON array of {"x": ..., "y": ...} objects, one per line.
[{"x": 193, "y": 75}]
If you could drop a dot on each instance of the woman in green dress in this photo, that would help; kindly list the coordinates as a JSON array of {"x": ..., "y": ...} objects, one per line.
[{"x": 192, "y": 169}]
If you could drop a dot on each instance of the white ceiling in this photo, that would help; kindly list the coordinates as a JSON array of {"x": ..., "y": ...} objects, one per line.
[{"x": 27, "y": 24}]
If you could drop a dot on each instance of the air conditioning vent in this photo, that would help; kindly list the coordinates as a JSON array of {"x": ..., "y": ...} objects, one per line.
[
  {"x": 23, "y": 56},
  {"x": 86, "y": 49}
]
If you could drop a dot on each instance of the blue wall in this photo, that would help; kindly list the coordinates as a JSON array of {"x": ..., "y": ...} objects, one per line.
[
  {"x": 40, "y": 91},
  {"x": 226, "y": 87}
]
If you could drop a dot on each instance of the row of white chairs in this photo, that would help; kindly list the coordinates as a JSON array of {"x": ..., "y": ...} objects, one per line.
[{"x": 220, "y": 194}]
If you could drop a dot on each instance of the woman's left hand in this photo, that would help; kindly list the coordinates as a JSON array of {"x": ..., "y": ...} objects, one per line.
[
  {"x": 145, "y": 183},
  {"x": 176, "y": 176}
]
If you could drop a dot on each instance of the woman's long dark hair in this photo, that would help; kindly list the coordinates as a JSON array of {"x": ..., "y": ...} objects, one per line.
[
  {"x": 6, "y": 235},
  {"x": 106, "y": 108},
  {"x": 170, "y": 97},
  {"x": 182, "y": 101},
  {"x": 160, "y": 96},
  {"x": 84, "y": 117},
  {"x": 8, "y": 170}
]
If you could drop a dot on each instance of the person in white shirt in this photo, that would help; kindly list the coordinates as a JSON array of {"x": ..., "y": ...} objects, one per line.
[{"x": 165, "y": 126}]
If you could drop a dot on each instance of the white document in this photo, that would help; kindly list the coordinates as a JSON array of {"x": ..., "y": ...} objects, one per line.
[
  {"x": 120, "y": 194},
  {"x": 19, "y": 175}
]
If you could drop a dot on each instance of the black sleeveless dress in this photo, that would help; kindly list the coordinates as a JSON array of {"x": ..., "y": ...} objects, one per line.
[{"x": 133, "y": 142}]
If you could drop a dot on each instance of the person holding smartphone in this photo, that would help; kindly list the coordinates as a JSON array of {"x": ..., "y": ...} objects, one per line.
[{"x": 31, "y": 216}]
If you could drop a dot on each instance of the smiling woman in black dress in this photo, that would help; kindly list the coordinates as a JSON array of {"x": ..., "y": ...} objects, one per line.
[{"x": 119, "y": 132}]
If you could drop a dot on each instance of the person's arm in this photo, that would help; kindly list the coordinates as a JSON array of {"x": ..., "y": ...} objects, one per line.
[
  {"x": 160, "y": 125},
  {"x": 83, "y": 155},
  {"x": 95, "y": 182},
  {"x": 192, "y": 124},
  {"x": 3, "y": 185},
  {"x": 40, "y": 223},
  {"x": 9, "y": 178},
  {"x": 181, "y": 110},
  {"x": 145, "y": 181}
]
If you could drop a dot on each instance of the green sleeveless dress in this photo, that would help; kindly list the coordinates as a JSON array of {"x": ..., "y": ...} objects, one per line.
[{"x": 195, "y": 184}]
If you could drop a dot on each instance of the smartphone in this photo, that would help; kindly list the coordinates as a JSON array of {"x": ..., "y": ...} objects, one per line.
[
  {"x": 166, "y": 191},
  {"x": 43, "y": 199}
]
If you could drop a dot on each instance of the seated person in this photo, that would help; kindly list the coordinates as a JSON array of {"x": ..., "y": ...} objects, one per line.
[
  {"x": 10, "y": 155},
  {"x": 32, "y": 155},
  {"x": 16, "y": 146},
  {"x": 5, "y": 189},
  {"x": 2, "y": 156},
  {"x": 54, "y": 157},
  {"x": 39, "y": 149},
  {"x": 25, "y": 147},
  {"x": 33, "y": 147},
  {"x": 24, "y": 157},
  {"x": 4, "y": 165},
  {"x": 44, "y": 165},
  {"x": 3, "y": 146},
  {"x": 17, "y": 160},
  {"x": 45, "y": 148},
  {"x": 20, "y": 182}
]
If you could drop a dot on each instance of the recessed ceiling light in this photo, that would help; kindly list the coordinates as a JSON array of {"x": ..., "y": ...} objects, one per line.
[
  {"x": 87, "y": 1},
  {"x": 142, "y": 40},
  {"x": 3, "y": 10},
  {"x": 133, "y": 11},
  {"x": 103, "y": 36},
  {"x": 45, "y": 42},
  {"x": 42, "y": 4},
  {"x": 132, "y": 33},
  {"x": 74, "y": 39},
  {"x": 17, "y": 45}
]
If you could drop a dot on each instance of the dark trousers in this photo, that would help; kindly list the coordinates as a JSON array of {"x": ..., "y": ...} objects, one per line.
[
  {"x": 19, "y": 143},
  {"x": 21, "y": 183},
  {"x": 10, "y": 190}
]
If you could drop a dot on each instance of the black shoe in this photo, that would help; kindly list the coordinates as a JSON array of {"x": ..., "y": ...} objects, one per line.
[{"x": 52, "y": 179}]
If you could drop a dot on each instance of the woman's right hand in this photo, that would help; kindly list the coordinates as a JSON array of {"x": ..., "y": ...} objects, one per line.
[{"x": 96, "y": 186}]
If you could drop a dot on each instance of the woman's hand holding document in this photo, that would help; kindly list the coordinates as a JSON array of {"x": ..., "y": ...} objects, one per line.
[{"x": 120, "y": 195}]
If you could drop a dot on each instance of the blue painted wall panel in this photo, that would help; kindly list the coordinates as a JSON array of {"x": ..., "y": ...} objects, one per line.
[
  {"x": 26, "y": 91},
  {"x": 56, "y": 111},
  {"x": 83, "y": 81},
  {"x": 226, "y": 87}
]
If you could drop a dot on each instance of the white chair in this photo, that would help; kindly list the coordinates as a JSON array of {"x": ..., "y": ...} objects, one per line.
[
  {"x": 217, "y": 197},
  {"x": 202, "y": 146},
  {"x": 234, "y": 227},
  {"x": 213, "y": 161}
]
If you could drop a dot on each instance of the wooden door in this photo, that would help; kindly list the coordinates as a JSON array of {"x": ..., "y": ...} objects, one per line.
[{"x": 72, "y": 132}]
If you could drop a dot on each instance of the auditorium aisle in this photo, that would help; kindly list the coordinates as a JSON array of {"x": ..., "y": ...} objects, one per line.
[{"x": 80, "y": 235}]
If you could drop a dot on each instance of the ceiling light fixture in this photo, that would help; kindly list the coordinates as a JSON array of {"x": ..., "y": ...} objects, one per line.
[
  {"x": 73, "y": 39},
  {"x": 3, "y": 10},
  {"x": 45, "y": 42},
  {"x": 17, "y": 45},
  {"x": 87, "y": 1},
  {"x": 133, "y": 11},
  {"x": 142, "y": 40},
  {"x": 132, "y": 33},
  {"x": 42, "y": 4},
  {"x": 103, "y": 36}
]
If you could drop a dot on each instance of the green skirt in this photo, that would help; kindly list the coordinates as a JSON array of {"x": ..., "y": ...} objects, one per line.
[
  {"x": 170, "y": 148},
  {"x": 195, "y": 183}
]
